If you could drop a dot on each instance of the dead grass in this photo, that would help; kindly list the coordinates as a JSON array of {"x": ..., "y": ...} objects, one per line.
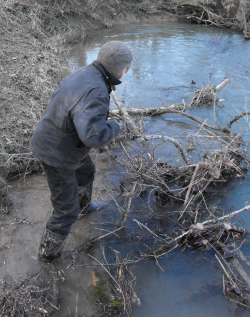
[{"x": 30, "y": 70}]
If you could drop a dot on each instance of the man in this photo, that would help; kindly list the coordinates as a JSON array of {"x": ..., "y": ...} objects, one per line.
[{"x": 73, "y": 123}]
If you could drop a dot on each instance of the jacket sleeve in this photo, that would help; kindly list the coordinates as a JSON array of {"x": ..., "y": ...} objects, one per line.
[{"x": 89, "y": 117}]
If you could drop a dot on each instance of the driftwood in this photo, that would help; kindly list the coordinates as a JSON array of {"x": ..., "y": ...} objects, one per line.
[
  {"x": 201, "y": 97},
  {"x": 150, "y": 111}
]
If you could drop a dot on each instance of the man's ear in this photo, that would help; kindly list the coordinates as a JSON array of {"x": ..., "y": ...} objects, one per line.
[{"x": 121, "y": 73}]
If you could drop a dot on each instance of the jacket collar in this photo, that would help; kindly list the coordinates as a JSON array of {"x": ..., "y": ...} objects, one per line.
[{"x": 110, "y": 79}]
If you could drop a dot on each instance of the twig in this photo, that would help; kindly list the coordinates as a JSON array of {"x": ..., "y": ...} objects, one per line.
[
  {"x": 107, "y": 234},
  {"x": 225, "y": 271},
  {"x": 169, "y": 139},
  {"x": 76, "y": 313},
  {"x": 154, "y": 234},
  {"x": 232, "y": 214},
  {"x": 3, "y": 244},
  {"x": 126, "y": 212},
  {"x": 191, "y": 184}
]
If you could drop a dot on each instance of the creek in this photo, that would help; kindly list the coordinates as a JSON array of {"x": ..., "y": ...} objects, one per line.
[{"x": 168, "y": 57}]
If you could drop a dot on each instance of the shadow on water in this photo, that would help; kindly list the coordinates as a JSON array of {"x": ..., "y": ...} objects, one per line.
[{"x": 167, "y": 58}]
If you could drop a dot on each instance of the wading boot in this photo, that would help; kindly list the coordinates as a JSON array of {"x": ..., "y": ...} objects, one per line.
[
  {"x": 86, "y": 205},
  {"x": 50, "y": 246}
]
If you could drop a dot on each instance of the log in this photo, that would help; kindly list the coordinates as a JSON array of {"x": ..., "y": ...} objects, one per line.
[{"x": 150, "y": 111}]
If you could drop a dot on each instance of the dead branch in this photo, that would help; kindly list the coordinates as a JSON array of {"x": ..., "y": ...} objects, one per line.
[
  {"x": 198, "y": 227},
  {"x": 172, "y": 140},
  {"x": 237, "y": 284},
  {"x": 124, "y": 282},
  {"x": 211, "y": 221},
  {"x": 201, "y": 13},
  {"x": 229, "y": 216},
  {"x": 115, "y": 281},
  {"x": 236, "y": 118},
  {"x": 236, "y": 264},
  {"x": 206, "y": 95},
  {"x": 191, "y": 184},
  {"x": 221, "y": 85},
  {"x": 126, "y": 118},
  {"x": 141, "y": 225},
  {"x": 150, "y": 111},
  {"x": 202, "y": 96},
  {"x": 33, "y": 294}
]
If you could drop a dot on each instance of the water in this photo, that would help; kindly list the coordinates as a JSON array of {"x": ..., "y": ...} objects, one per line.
[{"x": 167, "y": 58}]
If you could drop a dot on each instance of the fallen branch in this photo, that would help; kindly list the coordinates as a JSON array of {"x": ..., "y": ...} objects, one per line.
[
  {"x": 134, "y": 130},
  {"x": 201, "y": 225},
  {"x": 172, "y": 140},
  {"x": 221, "y": 85},
  {"x": 141, "y": 225},
  {"x": 150, "y": 111},
  {"x": 191, "y": 184}
]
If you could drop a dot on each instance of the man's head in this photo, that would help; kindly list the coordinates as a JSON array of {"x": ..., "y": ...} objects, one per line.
[{"x": 116, "y": 57}]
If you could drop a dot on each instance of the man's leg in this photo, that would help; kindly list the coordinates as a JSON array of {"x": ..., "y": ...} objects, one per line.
[
  {"x": 65, "y": 201},
  {"x": 85, "y": 175}
]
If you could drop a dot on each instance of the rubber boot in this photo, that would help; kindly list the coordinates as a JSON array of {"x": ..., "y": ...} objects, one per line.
[
  {"x": 86, "y": 205},
  {"x": 50, "y": 246}
]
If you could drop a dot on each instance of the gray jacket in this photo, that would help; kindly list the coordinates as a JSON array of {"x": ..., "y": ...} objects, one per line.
[{"x": 75, "y": 119}]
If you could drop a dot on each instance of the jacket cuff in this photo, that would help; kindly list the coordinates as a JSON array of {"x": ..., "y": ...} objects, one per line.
[{"x": 115, "y": 127}]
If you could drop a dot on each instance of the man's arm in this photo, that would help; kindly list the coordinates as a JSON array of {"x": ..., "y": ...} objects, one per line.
[{"x": 89, "y": 118}]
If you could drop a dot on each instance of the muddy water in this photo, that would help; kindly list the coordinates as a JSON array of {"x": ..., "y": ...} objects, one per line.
[{"x": 167, "y": 58}]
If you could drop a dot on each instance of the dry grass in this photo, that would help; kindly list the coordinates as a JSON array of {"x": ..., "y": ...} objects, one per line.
[{"x": 30, "y": 68}]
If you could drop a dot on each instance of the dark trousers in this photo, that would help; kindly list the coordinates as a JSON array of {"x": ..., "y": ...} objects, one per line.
[{"x": 63, "y": 184}]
